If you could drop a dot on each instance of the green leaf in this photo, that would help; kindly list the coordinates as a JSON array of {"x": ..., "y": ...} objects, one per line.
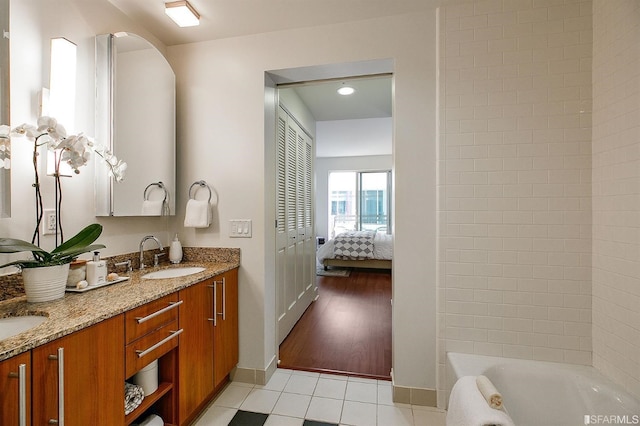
[
  {"x": 11, "y": 245},
  {"x": 81, "y": 240},
  {"x": 72, "y": 252}
]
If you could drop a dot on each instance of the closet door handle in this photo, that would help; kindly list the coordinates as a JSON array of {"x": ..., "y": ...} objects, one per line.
[
  {"x": 159, "y": 312},
  {"x": 60, "y": 358},
  {"x": 21, "y": 375}
]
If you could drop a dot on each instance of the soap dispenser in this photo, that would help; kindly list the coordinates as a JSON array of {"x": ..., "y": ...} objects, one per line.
[
  {"x": 175, "y": 250},
  {"x": 96, "y": 270}
]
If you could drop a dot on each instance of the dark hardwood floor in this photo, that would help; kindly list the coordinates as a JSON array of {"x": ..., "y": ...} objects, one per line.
[{"x": 347, "y": 330}]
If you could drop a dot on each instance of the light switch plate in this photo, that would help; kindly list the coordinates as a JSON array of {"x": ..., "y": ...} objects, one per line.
[{"x": 240, "y": 228}]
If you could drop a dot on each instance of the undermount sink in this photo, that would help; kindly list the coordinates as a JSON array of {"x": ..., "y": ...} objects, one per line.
[
  {"x": 10, "y": 326},
  {"x": 173, "y": 273}
]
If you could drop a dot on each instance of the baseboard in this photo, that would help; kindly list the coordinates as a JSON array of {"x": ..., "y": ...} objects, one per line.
[
  {"x": 254, "y": 376},
  {"x": 415, "y": 396}
]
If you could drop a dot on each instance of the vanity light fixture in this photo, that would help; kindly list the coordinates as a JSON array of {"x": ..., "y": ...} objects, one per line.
[
  {"x": 62, "y": 94},
  {"x": 346, "y": 90},
  {"x": 62, "y": 82},
  {"x": 182, "y": 13}
]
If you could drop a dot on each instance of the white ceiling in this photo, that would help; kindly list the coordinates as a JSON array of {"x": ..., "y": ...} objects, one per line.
[{"x": 232, "y": 18}]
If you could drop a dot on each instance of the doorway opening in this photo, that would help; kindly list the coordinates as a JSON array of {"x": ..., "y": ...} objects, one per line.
[{"x": 345, "y": 329}]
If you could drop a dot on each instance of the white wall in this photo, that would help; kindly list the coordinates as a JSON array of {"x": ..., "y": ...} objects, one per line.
[
  {"x": 515, "y": 180},
  {"x": 33, "y": 23},
  {"x": 221, "y": 110},
  {"x": 324, "y": 166},
  {"x": 343, "y": 138},
  {"x": 616, "y": 191}
]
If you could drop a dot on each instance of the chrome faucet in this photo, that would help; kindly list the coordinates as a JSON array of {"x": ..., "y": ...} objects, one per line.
[{"x": 148, "y": 237}]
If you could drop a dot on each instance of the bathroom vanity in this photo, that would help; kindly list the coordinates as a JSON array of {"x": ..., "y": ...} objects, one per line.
[{"x": 71, "y": 369}]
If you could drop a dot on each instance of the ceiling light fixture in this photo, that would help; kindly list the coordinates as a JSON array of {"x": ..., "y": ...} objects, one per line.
[
  {"x": 346, "y": 90},
  {"x": 182, "y": 13}
]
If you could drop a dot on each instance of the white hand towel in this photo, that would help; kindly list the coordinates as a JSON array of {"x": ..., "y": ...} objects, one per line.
[
  {"x": 198, "y": 214},
  {"x": 152, "y": 208},
  {"x": 467, "y": 407},
  {"x": 489, "y": 392}
]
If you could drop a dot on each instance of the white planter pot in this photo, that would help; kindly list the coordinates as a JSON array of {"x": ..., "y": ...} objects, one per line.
[{"x": 45, "y": 283}]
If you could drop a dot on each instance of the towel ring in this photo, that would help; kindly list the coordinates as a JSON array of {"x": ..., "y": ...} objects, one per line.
[
  {"x": 161, "y": 186},
  {"x": 200, "y": 184}
]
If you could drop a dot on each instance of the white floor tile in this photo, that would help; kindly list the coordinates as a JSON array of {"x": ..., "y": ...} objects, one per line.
[
  {"x": 324, "y": 410},
  {"x": 277, "y": 382},
  {"x": 305, "y": 373},
  {"x": 396, "y": 416},
  {"x": 232, "y": 396},
  {"x": 358, "y": 414},
  {"x": 334, "y": 376},
  {"x": 276, "y": 420},
  {"x": 260, "y": 401},
  {"x": 385, "y": 395},
  {"x": 329, "y": 388},
  {"x": 363, "y": 380},
  {"x": 429, "y": 416},
  {"x": 216, "y": 416},
  {"x": 292, "y": 404},
  {"x": 301, "y": 384},
  {"x": 362, "y": 391}
]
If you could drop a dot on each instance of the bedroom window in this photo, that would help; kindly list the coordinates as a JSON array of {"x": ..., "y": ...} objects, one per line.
[{"x": 359, "y": 201}]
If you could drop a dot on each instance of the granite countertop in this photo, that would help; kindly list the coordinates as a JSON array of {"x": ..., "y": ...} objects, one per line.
[{"x": 79, "y": 310}]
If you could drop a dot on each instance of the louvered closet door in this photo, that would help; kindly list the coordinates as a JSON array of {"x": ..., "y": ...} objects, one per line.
[{"x": 295, "y": 262}]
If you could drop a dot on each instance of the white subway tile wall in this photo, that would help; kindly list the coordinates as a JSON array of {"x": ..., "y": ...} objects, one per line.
[
  {"x": 515, "y": 179},
  {"x": 616, "y": 191}
]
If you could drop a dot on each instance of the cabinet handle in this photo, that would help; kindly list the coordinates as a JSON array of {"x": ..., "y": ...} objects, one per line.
[
  {"x": 21, "y": 375},
  {"x": 215, "y": 303},
  {"x": 224, "y": 299},
  {"x": 160, "y": 312},
  {"x": 174, "y": 333},
  {"x": 60, "y": 359}
]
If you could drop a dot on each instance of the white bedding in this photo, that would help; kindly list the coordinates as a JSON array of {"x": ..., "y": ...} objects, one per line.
[{"x": 382, "y": 248}]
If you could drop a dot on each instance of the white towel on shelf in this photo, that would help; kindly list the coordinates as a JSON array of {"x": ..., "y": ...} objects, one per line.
[
  {"x": 153, "y": 420},
  {"x": 198, "y": 214},
  {"x": 467, "y": 407},
  {"x": 152, "y": 207},
  {"x": 133, "y": 396}
]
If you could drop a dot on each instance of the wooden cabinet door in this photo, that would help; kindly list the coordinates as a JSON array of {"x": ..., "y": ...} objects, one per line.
[
  {"x": 226, "y": 343},
  {"x": 14, "y": 373},
  {"x": 195, "y": 349},
  {"x": 92, "y": 362}
]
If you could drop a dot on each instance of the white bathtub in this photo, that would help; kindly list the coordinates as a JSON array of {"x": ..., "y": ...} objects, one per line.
[{"x": 537, "y": 393}]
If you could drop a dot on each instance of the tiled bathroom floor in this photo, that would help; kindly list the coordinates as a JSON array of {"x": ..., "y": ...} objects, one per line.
[{"x": 290, "y": 397}]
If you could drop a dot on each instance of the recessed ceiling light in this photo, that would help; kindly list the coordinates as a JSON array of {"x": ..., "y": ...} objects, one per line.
[
  {"x": 182, "y": 13},
  {"x": 346, "y": 90}
]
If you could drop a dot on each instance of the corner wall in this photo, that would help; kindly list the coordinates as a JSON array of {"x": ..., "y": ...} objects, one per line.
[
  {"x": 616, "y": 191},
  {"x": 515, "y": 180}
]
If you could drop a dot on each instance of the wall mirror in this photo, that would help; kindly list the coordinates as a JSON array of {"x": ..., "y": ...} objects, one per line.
[
  {"x": 5, "y": 146},
  {"x": 135, "y": 117}
]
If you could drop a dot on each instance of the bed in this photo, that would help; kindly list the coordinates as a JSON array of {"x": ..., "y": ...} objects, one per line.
[{"x": 339, "y": 251}]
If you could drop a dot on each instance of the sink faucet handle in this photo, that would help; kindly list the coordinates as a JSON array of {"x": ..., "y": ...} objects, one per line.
[
  {"x": 156, "y": 257},
  {"x": 126, "y": 263}
]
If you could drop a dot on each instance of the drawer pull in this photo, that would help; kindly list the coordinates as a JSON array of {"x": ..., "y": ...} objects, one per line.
[
  {"x": 160, "y": 343},
  {"x": 21, "y": 375},
  {"x": 160, "y": 312}
]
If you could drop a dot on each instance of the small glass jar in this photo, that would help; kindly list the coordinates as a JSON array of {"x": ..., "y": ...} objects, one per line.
[{"x": 77, "y": 272}]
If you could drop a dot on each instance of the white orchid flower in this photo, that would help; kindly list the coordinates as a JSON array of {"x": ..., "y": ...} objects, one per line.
[
  {"x": 51, "y": 126},
  {"x": 26, "y": 130}
]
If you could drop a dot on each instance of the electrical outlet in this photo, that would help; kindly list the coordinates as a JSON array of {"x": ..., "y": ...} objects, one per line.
[{"x": 49, "y": 222}]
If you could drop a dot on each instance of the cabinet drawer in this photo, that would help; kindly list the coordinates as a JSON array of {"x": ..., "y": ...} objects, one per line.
[
  {"x": 149, "y": 317},
  {"x": 150, "y": 347}
]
